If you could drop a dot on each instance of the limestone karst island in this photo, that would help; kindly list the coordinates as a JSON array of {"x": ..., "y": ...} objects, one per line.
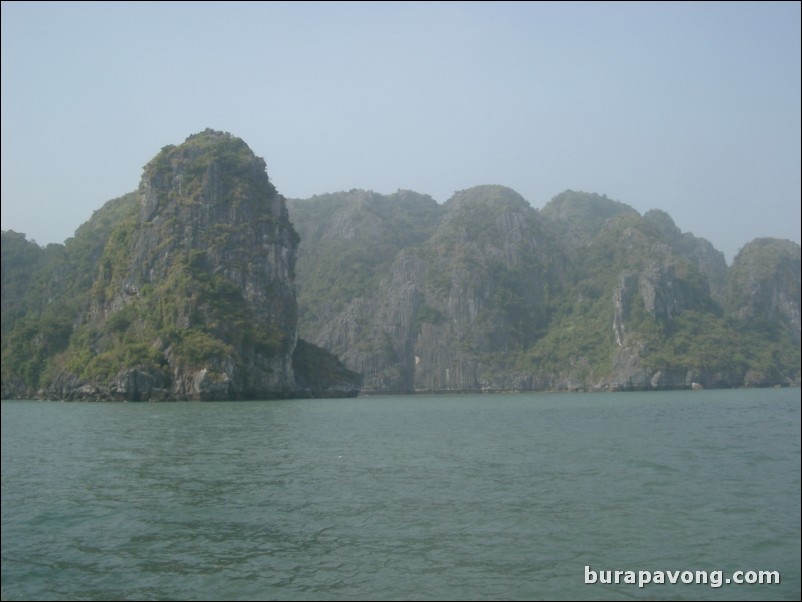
[{"x": 207, "y": 284}]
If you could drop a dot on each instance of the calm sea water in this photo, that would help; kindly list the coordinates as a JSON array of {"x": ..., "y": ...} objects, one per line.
[{"x": 443, "y": 497}]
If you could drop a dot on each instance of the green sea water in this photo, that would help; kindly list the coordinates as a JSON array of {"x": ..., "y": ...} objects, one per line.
[{"x": 480, "y": 497}]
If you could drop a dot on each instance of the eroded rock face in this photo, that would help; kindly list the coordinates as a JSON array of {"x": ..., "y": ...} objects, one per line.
[
  {"x": 492, "y": 294},
  {"x": 206, "y": 274},
  {"x": 194, "y": 296},
  {"x": 185, "y": 290},
  {"x": 765, "y": 283},
  {"x": 182, "y": 290},
  {"x": 475, "y": 285},
  {"x": 700, "y": 252}
]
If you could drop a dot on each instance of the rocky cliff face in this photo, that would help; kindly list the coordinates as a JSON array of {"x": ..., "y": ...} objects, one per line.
[
  {"x": 765, "y": 284},
  {"x": 699, "y": 252},
  {"x": 495, "y": 295},
  {"x": 185, "y": 290},
  {"x": 193, "y": 295},
  {"x": 212, "y": 233},
  {"x": 492, "y": 267},
  {"x": 653, "y": 291},
  {"x": 477, "y": 285}
]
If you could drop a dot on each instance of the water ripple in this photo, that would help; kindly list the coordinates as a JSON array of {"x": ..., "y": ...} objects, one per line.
[{"x": 463, "y": 497}]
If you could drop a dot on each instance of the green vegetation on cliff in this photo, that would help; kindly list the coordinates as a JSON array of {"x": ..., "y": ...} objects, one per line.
[
  {"x": 585, "y": 293},
  {"x": 186, "y": 289},
  {"x": 182, "y": 290},
  {"x": 350, "y": 239}
]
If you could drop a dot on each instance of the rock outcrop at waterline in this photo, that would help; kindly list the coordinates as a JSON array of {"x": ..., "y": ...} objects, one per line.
[{"x": 192, "y": 297}]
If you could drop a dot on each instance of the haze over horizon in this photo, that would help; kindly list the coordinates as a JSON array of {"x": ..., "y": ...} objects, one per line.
[{"x": 689, "y": 108}]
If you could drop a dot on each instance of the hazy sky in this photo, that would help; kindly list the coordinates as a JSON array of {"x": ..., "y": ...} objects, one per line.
[{"x": 693, "y": 108}]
